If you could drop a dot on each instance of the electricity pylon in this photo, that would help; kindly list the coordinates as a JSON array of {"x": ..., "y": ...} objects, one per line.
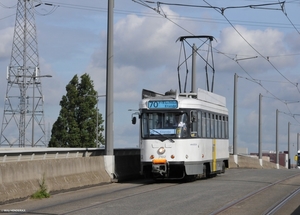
[{"x": 23, "y": 115}]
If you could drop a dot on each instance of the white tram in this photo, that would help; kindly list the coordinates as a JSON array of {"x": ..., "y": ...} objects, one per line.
[{"x": 183, "y": 135}]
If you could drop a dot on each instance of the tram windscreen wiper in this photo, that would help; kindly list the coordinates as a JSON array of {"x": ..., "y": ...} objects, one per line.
[{"x": 171, "y": 140}]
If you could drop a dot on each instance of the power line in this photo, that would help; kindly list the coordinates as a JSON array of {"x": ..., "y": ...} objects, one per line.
[
  {"x": 285, "y": 13},
  {"x": 9, "y": 7},
  {"x": 159, "y": 9},
  {"x": 161, "y": 12},
  {"x": 272, "y": 81},
  {"x": 266, "y": 58},
  {"x": 190, "y": 18},
  {"x": 7, "y": 16},
  {"x": 222, "y": 9}
]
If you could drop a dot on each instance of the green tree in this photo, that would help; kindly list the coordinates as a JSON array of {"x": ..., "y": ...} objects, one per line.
[{"x": 76, "y": 123}]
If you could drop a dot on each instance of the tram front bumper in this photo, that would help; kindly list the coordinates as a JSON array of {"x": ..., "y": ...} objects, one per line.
[{"x": 160, "y": 166}]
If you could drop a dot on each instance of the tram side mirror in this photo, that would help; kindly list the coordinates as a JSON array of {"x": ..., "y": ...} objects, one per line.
[{"x": 133, "y": 120}]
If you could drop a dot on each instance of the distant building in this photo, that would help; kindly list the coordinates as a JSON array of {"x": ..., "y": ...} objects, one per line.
[{"x": 271, "y": 157}]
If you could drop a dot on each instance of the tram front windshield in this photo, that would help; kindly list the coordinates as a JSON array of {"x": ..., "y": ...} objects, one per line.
[{"x": 168, "y": 124}]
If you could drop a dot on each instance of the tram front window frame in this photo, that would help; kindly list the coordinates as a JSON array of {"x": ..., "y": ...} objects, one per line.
[{"x": 164, "y": 123}]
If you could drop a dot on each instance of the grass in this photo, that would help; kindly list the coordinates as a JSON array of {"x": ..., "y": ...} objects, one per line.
[{"x": 42, "y": 192}]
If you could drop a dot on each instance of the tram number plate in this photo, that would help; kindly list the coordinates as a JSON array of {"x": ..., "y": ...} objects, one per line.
[{"x": 163, "y": 104}]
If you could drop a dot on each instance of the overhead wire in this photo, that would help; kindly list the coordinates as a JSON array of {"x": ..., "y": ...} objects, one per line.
[
  {"x": 163, "y": 15},
  {"x": 54, "y": 7},
  {"x": 143, "y": 3},
  {"x": 286, "y": 101},
  {"x": 9, "y": 7},
  {"x": 285, "y": 13},
  {"x": 7, "y": 16},
  {"x": 220, "y": 10},
  {"x": 194, "y": 19},
  {"x": 266, "y": 58}
]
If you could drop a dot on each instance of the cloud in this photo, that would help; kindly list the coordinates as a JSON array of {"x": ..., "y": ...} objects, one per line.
[
  {"x": 145, "y": 55},
  {"x": 292, "y": 39},
  {"x": 73, "y": 41},
  {"x": 6, "y": 42},
  {"x": 146, "y": 42},
  {"x": 261, "y": 45}
]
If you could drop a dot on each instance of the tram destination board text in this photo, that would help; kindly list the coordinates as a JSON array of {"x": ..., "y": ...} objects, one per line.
[{"x": 173, "y": 104}]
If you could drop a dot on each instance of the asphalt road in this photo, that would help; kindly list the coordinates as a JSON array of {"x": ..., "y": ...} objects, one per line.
[{"x": 169, "y": 197}]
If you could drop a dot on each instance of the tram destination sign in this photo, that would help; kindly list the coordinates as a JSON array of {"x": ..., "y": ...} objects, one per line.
[{"x": 163, "y": 104}]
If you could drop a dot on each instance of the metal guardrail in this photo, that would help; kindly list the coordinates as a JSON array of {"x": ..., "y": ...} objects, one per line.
[{"x": 29, "y": 154}]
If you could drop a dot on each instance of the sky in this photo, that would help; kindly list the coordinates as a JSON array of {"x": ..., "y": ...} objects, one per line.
[{"x": 259, "y": 44}]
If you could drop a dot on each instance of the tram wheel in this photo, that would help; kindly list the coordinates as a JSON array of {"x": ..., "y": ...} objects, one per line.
[
  {"x": 223, "y": 168},
  {"x": 206, "y": 171}
]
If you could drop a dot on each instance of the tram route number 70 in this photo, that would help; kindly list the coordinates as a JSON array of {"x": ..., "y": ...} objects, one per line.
[{"x": 163, "y": 104}]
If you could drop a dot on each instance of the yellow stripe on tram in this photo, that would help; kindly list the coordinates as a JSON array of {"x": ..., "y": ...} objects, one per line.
[{"x": 214, "y": 155}]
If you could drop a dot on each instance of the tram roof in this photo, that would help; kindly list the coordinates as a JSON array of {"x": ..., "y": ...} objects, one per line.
[{"x": 201, "y": 99}]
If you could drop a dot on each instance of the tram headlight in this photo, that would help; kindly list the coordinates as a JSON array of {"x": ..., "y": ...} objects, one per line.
[{"x": 161, "y": 150}]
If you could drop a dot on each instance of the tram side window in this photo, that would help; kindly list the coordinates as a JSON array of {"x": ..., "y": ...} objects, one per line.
[
  {"x": 212, "y": 126},
  {"x": 216, "y": 126},
  {"x": 220, "y": 127},
  {"x": 208, "y": 125},
  {"x": 199, "y": 123},
  {"x": 226, "y": 127},
  {"x": 223, "y": 127},
  {"x": 194, "y": 123},
  {"x": 203, "y": 124}
]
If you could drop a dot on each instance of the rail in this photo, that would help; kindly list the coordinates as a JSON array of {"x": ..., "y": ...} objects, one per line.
[{"x": 270, "y": 194}]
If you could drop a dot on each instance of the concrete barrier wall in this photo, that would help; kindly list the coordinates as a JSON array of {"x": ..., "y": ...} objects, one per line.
[
  {"x": 21, "y": 179},
  {"x": 251, "y": 162}
]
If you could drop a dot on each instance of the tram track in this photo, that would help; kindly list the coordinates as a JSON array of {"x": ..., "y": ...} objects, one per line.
[
  {"x": 240, "y": 191},
  {"x": 81, "y": 204},
  {"x": 279, "y": 205},
  {"x": 139, "y": 190},
  {"x": 261, "y": 201}
]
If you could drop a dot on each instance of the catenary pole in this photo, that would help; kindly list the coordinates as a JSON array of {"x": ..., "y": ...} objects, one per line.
[
  {"x": 193, "y": 81},
  {"x": 277, "y": 149},
  {"x": 259, "y": 131},
  {"x": 289, "y": 160},
  {"x": 297, "y": 142},
  {"x": 109, "y": 146},
  {"x": 235, "y": 119}
]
